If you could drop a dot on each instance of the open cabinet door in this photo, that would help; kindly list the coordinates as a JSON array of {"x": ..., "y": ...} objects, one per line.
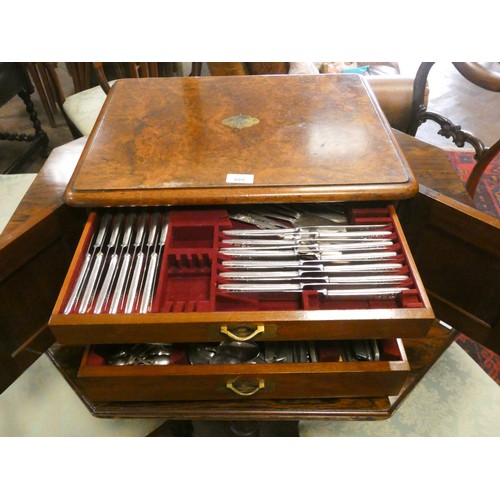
[
  {"x": 457, "y": 252},
  {"x": 36, "y": 248}
]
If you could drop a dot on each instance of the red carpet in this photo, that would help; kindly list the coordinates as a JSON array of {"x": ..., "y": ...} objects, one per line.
[
  {"x": 486, "y": 359},
  {"x": 486, "y": 199}
]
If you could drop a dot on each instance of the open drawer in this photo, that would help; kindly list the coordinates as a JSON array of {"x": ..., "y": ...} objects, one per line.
[
  {"x": 328, "y": 376},
  {"x": 178, "y": 274}
]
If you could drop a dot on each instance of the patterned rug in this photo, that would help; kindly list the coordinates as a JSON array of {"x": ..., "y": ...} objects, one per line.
[
  {"x": 486, "y": 359},
  {"x": 486, "y": 199}
]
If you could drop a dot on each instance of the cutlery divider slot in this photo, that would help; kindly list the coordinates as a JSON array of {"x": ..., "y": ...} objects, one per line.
[
  {"x": 190, "y": 266},
  {"x": 187, "y": 273}
]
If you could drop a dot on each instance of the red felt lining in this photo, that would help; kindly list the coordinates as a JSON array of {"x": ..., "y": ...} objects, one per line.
[
  {"x": 190, "y": 267},
  {"x": 331, "y": 351}
]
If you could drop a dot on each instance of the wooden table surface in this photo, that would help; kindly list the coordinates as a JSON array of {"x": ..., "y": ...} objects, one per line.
[{"x": 432, "y": 168}]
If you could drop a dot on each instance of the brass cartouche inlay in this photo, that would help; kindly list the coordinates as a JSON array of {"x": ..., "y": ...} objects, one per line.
[{"x": 240, "y": 121}]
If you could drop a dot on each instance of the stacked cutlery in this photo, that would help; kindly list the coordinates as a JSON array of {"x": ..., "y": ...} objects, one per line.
[
  {"x": 351, "y": 261},
  {"x": 120, "y": 268}
]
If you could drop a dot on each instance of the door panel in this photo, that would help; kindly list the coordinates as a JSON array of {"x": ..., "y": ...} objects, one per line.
[{"x": 457, "y": 250}]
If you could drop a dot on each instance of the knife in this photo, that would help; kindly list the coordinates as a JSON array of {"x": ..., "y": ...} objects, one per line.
[
  {"x": 350, "y": 228},
  {"x": 332, "y": 256},
  {"x": 311, "y": 266},
  {"x": 378, "y": 292},
  {"x": 285, "y": 243},
  {"x": 291, "y": 276},
  {"x": 309, "y": 245}
]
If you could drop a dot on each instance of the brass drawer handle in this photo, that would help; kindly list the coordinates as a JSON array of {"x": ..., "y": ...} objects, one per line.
[
  {"x": 225, "y": 331},
  {"x": 251, "y": 392}
]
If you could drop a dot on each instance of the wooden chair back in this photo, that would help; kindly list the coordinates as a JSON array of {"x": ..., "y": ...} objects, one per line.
[
  {"x": 111, "y": 71},
  {"x": 477, "y": 74}
]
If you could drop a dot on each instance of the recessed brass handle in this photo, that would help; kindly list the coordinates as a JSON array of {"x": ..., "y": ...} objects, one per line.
[
  {"x": 234, "y": 336},
  {"x": 230, "y": 385}
]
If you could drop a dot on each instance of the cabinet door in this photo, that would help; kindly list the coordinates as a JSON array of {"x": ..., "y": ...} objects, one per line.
[
  {"x": 32, "y": 269},
  {"x": 36, "y": 248},
  {"x": 457, "y": 250}
]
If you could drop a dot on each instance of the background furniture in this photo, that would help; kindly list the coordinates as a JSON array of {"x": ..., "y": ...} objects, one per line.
[
  {"x": 45, "y": 88},
  {"x": 14, "y": 80},
  {"x": 478, "y": 75},
  {"x": 92, "y": 81}
]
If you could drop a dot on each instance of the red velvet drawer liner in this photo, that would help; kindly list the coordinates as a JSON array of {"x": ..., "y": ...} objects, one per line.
[
  {"x": 188, "y": 276},
  {"x": 187, "y": 286}
]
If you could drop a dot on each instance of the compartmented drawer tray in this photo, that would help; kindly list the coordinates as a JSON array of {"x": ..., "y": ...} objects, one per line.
[
  {"x": 177, "y": 265},
  {"x": 182, "y": 381}
]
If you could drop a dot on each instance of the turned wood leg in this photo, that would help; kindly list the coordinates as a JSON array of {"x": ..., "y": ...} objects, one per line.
[{"x": 40, "y": 134}]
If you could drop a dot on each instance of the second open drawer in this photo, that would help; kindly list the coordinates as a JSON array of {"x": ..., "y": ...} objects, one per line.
[{"x": 329, "y": 377}]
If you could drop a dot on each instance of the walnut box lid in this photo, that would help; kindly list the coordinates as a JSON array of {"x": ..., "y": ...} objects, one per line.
[{"x": 241, "y": 139}]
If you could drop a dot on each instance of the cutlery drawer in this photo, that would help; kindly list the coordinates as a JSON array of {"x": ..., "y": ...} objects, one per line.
[
  {"x": 329, "y": 377},
  {"x": 183, "y": 299}
]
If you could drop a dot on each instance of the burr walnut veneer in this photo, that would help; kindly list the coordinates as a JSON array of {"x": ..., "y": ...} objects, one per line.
[{"x": 175, "y": 141}]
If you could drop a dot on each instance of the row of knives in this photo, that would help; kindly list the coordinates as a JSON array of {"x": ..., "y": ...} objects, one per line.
[
  {"x": 349, "y": 260},
  {"x": 120, "y": 267}
]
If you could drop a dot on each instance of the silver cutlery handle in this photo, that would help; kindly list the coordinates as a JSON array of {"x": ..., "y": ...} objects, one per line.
[
  {"x": 119, "y": 284},
  {"x": 105, "y": 286},
  {"x": 127, "y": 233},
  {"x": 153, "y": 229},
  {"x": 134, "y": 283},
  {"x": 89, "y": 289},
  {"x": 140, "y": 229},
  {"x": 164, "y": 230},
  {"x": 117, "y": 222},
  {"x": 146, "y": 297},
  {"x": 78, "y": 284},
  {"x": 105, "y": 220}
]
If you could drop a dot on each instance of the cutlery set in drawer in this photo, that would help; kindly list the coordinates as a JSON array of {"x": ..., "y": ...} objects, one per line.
[{"x": 299, "y": 290}]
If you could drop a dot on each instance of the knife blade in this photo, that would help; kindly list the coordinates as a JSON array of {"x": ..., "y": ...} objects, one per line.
[{"x": 377, "y": 292}]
